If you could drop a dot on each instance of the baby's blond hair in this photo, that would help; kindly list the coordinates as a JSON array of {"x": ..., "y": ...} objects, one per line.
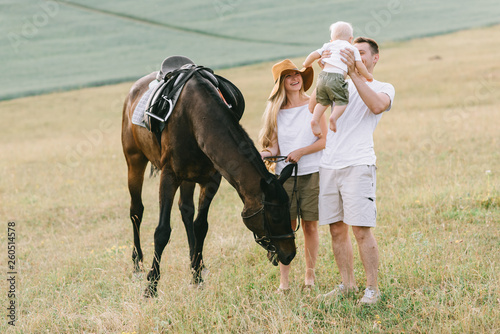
[{"x": 341, "y": 30}]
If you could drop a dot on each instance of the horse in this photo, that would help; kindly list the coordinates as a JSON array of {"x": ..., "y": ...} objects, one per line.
[{"x": 202, "y": 142}]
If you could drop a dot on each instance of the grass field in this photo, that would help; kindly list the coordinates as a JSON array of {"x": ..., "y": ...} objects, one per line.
[{"x": 63, "y": 183}]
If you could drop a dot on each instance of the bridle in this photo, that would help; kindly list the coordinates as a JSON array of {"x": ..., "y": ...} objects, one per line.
[{"x": 266, "y": 240}]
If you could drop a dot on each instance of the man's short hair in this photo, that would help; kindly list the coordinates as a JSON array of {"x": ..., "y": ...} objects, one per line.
[{"x": 370, "y": 41}]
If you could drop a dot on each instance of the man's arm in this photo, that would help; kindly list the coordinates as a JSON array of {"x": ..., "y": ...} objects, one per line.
[{"x": 376, "y": 102}]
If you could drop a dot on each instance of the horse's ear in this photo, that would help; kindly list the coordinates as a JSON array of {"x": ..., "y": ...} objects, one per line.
[{"x": 286, "y": 173}]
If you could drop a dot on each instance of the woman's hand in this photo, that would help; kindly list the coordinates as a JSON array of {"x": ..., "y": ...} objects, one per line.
[
  {"x": 270, "y": 150},
  {"x": 295, "y": 156},
  {"x": 266, "y": 153}
]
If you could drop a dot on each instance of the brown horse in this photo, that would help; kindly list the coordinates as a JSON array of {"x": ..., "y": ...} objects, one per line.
[{"x": 201, "y": 141}]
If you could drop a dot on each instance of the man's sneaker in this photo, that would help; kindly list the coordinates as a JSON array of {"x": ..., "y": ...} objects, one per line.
[
  {"x": 371, "y": 296},
  {"x": 339, "y": 291}
]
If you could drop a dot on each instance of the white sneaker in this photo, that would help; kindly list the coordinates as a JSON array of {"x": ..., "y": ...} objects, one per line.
[
  {"x": 339, "y": 291},
  {"x": 371, "y": 296}
]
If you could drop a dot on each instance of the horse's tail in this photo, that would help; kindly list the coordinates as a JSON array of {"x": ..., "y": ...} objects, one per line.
[{"x": 154, "y": 171}]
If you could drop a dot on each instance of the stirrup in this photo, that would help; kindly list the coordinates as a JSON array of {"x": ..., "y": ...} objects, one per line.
[{"x": 168, "y": 113}]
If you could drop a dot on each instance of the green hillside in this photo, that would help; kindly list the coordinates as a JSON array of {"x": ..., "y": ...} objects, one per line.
[{"x": 52, "y": 45}]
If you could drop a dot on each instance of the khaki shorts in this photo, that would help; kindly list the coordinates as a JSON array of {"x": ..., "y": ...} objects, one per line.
[
  {"x": 348, "y": 195},
  {"x": 307, "y": 192},
  {"x": 331, "y": 88}
]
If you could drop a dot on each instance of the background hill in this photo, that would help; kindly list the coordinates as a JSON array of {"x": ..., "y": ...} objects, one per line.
[{"x": 52, "y": 45}]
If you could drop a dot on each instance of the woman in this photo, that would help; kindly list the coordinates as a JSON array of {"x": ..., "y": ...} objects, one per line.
[{"x": 287, "y": 132}]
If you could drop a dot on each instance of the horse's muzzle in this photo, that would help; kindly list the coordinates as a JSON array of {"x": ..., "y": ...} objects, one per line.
[
  {"x": 288, "y": 259},
  {"x": 273, "y": 257}
]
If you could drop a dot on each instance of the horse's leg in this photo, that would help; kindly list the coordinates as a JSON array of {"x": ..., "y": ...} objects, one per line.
[
  {"x": 168, "y": 187},
  {"x": 200, "y": 225},
  {"x": 137, "y": 163},
  {"x": 186, "y": 207}
]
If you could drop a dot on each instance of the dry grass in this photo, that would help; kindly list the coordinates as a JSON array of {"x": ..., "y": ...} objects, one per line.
[{"x": 63, "y": 181}]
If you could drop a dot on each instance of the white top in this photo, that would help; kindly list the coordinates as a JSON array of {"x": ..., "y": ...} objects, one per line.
[
  {"x": 335, "y": 58},
  {"x": 294, "y": 132},
  {"x": 352, "y": 144}
]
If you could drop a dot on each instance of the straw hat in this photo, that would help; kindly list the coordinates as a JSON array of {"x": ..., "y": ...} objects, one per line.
[{"x": 307, "y": 74}]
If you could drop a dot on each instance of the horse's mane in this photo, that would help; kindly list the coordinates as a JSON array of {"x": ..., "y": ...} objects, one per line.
[
  {"x": 245, "y": 144},
  {"x": 249, "y": 151}
]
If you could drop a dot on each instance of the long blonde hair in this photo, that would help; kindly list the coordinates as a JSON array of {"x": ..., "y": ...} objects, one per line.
[{"x": 268, "y": 132}]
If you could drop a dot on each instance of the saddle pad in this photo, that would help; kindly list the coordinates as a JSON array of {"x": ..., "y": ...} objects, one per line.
[{"x": 138, "y": 115}]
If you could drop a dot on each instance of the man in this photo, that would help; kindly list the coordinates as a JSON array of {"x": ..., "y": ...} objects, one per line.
[{"x": 347, "y": 174}]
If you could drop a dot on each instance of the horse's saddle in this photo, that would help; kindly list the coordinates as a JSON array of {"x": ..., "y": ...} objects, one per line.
[{"x": 174, "y": 73}]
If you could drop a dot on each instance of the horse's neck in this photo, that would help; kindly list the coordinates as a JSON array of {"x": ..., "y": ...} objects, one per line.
[
  {"x": 231, "y": 150},
  {"x": 242, "y": 171},
  {"x": 247, "y": 184}
]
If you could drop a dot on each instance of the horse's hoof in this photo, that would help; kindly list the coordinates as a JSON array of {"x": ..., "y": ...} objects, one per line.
[
  {"x": 138, "y": 266},
  {"x": 150, "y": 292},
  {"x": 197, "y": 286}
]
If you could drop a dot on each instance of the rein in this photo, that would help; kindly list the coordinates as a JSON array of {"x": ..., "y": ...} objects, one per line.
[
  {"x": 266, "y": 239},
  {"x": 279, "y": 158}
]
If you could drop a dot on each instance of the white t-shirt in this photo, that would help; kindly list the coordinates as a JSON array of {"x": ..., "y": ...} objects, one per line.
[
  {"x": 352, "y": 144},
  {"x": 335, "y": 58},
  {"x": 294, "y": 132}
]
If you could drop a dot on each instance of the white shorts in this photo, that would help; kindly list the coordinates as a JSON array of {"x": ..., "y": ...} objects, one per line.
[{"x": 348, "y": 195}]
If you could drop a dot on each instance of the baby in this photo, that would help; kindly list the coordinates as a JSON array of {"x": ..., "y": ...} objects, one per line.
[{"x": 331, "y": 86}]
